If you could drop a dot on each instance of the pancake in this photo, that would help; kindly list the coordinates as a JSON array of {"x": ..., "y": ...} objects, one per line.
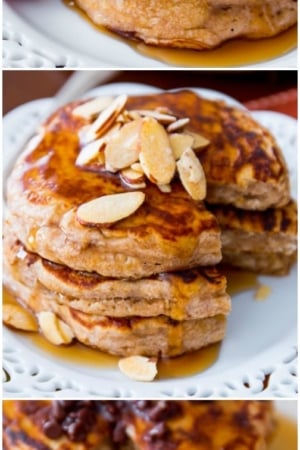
[
  {"x": 124, "y": 336},
  {"x": 193, "y": 294},
  {"x": 243, "y": 164},
  {"x": 262, "y": 241},
  {"x": 140, "y": 425},
  {"x": 194, "y": 24},
  {"x": 168, "y": 232}
]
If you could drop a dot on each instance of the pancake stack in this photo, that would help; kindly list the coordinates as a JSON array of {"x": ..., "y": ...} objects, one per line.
[
  {"x": 107, "y": 237},
  {"x": 139, "y": 425}
]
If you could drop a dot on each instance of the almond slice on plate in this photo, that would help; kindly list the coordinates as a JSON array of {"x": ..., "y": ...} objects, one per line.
[
  {"x": 122, "y": 149},
  {"x": 160, "y": 117},
  {"x": 55, "y": 330},
  {"x": 93, "y": 107},
  {"x": 109, "y": 208},
  {"x": 156, "y": 156},
  {"x": 178, "y": 125},
  {"x": 90, "y": 152},
  {"x": 133, "y": 179},
  {"x": 17, "y": 317},
  {"x": 139, "y": 368},
  {"x": 106, "y": 119},
  {"x": 192, "y": 175},
  {"x": 199, "y": 140},
  {"x": 179, "y": 143}
]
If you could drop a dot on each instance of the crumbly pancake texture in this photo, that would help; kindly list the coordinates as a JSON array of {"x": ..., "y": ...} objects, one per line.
[
  {"x": 142, "y": 425},
  {"x": 168, "y": 232},
  {"x": 263, "y": 241},
  {"x": 195, "y": 24},
  {"x": 191, "y": 294}
]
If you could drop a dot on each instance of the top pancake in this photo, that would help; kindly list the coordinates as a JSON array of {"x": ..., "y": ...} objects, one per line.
[{"x": 243, "y": 165}]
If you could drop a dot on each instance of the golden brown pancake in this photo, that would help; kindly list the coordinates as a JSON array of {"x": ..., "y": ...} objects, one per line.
[
  {"x": 195, "y": 24},
  {"x": 168, "y": 232}
]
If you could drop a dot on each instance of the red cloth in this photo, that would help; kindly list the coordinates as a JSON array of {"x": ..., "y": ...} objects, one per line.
[{"x": 284, "y": 102}]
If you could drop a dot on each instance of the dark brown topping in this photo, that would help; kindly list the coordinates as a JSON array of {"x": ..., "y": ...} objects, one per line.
[
  {"x": 157, "y": 411},
  {"x": 75, "y": 419}
]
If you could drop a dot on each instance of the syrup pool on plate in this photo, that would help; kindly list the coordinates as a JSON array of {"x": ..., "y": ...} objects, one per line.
[
  {"x": 237, "y": 52},
  {"x": 182, "y": 366}
]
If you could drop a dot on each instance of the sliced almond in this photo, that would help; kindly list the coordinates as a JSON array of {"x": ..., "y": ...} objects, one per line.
[
  {"x": 90, "y": 152},
  {"x": 133, "y": 115},
  {"x": 113, "y": 131},
  {"x": 93, "y": 107},
  {"x": 160, "y": 117},
  {"x": 17, "y": 317},
  {"x": 179, "y": 143},
  {"x": 164, "y": 110},
  {"x": 133, "y": 179},
  {"x": 122, "y": 149},
  {"x": 106, "y": 119},
  {"x": 178, "y": 125},
  {"x": 139, "y": 368},
  {"x": 192, "y": 175},
  {"x": 165, "y": 188},
  {"x": 110, "y": 208},
  {"x": 55, "y": 330},
  {"x": 156, "y": 156},
  {"x": 199, "y": 140},
  {"x": 137, "y": 167}
]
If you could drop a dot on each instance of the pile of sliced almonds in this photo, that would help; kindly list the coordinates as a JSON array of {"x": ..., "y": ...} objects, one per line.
[{"x": 141, "y": 145}]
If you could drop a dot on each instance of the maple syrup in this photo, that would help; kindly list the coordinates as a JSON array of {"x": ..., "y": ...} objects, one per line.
[
  {"x": 285, "y": 437},
  {"x": 237, "y": 52},
  {"x": 241, "y": 281}
]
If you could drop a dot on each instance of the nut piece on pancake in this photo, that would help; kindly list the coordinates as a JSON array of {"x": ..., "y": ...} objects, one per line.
[
  {"x": 133, "y": 178},
  {"x": 180, "y": 143},
  {"x": 156, "y": 156},
  {"x": 90, "y": 109},
  {"x": 106, "y": 118},
  {"x": 138, "y": 368},
  {"x": 55, "y": 330},
  {"x": 110, "y": 208},
  {"x": 122, "y": 149},
  {"x": 17, "y": 317},
  {"x": 192, "y": 175}
]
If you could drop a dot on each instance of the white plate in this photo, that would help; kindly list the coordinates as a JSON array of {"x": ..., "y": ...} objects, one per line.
[
  {"x": 261, "y": 336},
  {"x": 46, "y": 33}
]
